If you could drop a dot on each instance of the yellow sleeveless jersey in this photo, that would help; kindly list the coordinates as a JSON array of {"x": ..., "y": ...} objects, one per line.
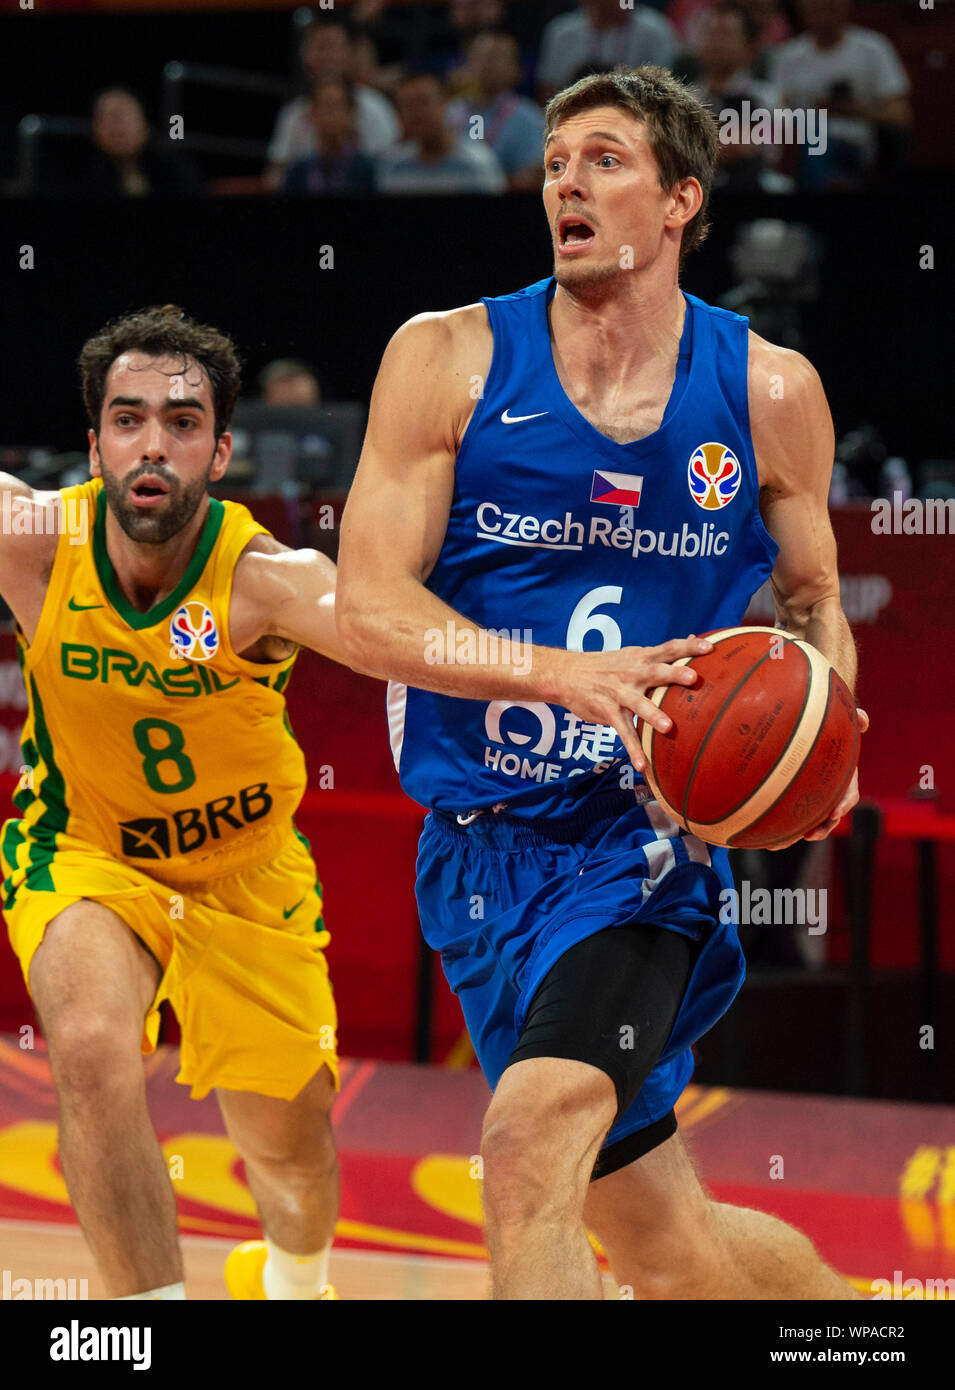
[{"x": 147, "y": 735}]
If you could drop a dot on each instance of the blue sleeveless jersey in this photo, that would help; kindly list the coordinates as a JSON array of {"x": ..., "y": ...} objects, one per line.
[{"x": 557, "y": 536}]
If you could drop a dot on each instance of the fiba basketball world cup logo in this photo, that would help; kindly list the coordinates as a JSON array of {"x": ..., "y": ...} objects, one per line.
[
  {"x": 714, "y": 475},
  {"x": 193, "y": 634}
]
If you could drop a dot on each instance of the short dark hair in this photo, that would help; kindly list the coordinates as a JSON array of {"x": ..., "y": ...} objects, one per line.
[
  {"x": 682, "y": 131},
  {"x": 162, "y": 331}
]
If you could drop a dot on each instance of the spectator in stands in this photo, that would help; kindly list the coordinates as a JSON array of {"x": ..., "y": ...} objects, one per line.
[
  {"x": 772, "y": 29},
  {"x": 512, "y": 125},
  {"x": 467, "y": 19},
  {"x": 857, "y": 76},
  {"x": 125, "y": 160},
  {"x": 289, "y": 381},
  {"x": 338, "y": 165},
  {"x": 720, "y": 71},
  {"x": 432, "y": 157},
  {"x": 772, "y": 26},
  {"x": 366, "y": 68},
  {"x": 722, "y": 76},
  {"x": 327, "y": 50},
  {"x": 598, "y": 36},
  {"x": 722, "y": 63}
]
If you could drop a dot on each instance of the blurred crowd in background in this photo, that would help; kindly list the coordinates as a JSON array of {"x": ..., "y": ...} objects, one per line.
[
  {"x": 383, "y": 97},
  {"x": 457, "y": 105}
]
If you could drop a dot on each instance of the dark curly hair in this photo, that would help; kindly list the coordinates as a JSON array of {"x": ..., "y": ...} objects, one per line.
[
  {"x": 682, "y": 132},
  {"x": 162, "y": 331}
]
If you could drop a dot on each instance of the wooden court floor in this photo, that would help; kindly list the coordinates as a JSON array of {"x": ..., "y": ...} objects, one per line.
[{"x": 34, "y": 1250}]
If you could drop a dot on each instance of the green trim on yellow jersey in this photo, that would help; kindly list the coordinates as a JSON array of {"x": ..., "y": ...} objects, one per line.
[
  {"x": 107, "y": 575},
  {"x": 51, "y": 795}
]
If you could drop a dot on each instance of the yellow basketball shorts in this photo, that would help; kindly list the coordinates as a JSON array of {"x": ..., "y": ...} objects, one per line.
[{"x": 242, "y": 957}]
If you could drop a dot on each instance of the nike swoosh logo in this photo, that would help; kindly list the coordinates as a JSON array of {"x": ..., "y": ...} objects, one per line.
[
  {"x": 507, "y": 419},
  {"x": 81, "y": 607},
  {"x": 288, "y": 911}
]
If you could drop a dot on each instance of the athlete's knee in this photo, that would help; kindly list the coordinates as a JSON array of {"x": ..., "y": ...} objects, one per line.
[
  {"x": 302, "y": 1153},
  {"x": 297, "y": 1173},
  {"x": 91, "y": 1052},
  {"x": 538, "y": 1148},
  {"x": 296, "y": 1153},
  {"x": 517, "y": 1182}
]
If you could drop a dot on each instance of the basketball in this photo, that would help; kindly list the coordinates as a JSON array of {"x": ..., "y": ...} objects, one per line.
[{"x": 761, "y": 748}]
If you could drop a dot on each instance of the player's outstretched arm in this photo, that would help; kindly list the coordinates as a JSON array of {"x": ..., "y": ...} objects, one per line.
[
  {"x": 393, "y": 530},
  {"x": 286, "y": 594},
  {"x": 793, "y": 438}
]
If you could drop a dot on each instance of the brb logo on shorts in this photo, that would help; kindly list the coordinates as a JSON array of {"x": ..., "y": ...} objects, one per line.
[
  {"x": 714, "y": 475},
  {"x": 193, "y": 634}
]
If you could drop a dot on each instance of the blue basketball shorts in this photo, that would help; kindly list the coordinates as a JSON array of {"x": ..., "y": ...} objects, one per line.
[{"x": 502, "y": 900}]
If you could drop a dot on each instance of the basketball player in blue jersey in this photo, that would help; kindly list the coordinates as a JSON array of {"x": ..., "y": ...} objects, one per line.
[{"x": 556, "y": 486}]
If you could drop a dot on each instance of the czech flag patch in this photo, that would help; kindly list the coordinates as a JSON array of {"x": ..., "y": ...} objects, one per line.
[{"x": 616, "y": 489}]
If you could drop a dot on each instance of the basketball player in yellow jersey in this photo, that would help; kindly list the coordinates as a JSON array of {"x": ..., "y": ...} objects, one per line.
[{"x": 155, "y": 856}]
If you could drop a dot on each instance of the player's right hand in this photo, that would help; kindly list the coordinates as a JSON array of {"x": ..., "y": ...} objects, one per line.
[{"x": 610, "y": 687}]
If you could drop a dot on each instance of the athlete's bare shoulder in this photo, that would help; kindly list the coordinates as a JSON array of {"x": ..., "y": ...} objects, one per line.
[
  {"x": 465, "y": 329},
  {"x": 788, "y": 413},
  {"x": 441, "y": 359},
  {"x": 262, "y": 544},
  {"x": 253, "y": 572},
  {"x": 252, "y": 593},
  {"x": 773, "y": 366}
]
